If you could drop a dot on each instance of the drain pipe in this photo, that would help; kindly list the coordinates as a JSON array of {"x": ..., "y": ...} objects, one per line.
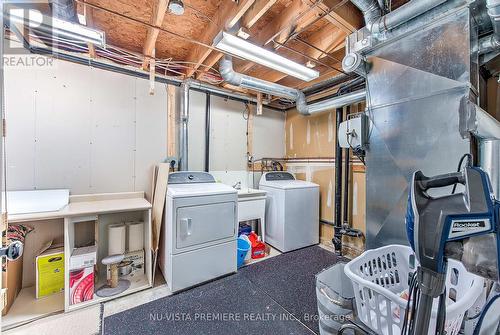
[
  {"x": 337, "y": 240},
  {"x": 259, "y": 85},
  {"x": 183, "y": 133},
  {"x": 491, "y": 42}
]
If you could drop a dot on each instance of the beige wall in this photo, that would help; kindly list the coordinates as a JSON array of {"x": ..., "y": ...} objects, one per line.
[{"x": 314, "y": 138}]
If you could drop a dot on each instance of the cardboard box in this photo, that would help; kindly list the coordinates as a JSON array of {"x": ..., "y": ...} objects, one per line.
[
  {"x": 132, "y": 266},
  {"x": 83, "y": 257},
  {"x": 81, "y": 285},
  {"x": 12, "y": 279},
  {"x": 49, "y": 272}
]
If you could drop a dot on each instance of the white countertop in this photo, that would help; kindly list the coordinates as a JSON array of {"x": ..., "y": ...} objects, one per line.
[{"x": 91, "y": 204}]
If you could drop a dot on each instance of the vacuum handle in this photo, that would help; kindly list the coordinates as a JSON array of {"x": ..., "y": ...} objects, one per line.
[{"x": 442, "y": 180}]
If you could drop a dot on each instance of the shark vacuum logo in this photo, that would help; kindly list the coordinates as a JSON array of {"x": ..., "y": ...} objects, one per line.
[{"x": 468, "y": 227}]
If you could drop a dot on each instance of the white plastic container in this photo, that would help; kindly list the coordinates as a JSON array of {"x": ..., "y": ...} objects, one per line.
[{"x": 380, "y": 275}]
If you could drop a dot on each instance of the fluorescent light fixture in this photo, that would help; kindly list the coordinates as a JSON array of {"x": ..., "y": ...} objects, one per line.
[
  {"x": 239, "y": 47},
  {"x": 57, "y": 27}
]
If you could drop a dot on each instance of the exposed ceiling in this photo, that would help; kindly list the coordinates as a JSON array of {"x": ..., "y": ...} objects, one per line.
[{"x": 301, "y": 30}]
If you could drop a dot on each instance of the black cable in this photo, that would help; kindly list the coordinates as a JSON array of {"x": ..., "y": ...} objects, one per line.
[{"x": 469, "y": 163}]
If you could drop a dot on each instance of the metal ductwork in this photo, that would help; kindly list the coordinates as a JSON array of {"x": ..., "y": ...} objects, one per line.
[
  {"x": 183, "y": 133},
  {"x": 370, "y": 8},
  {"x": 259, "y": 85},
  {"x": 337, "y": 102},
  {"x": 64, "y": 10},
  {"x": 491, "y": 42},
  {"x": 255, "y": 84},
  {"x": 403, "y": 14}
]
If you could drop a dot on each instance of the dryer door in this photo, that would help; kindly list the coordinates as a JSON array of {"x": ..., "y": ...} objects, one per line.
[{"x": 203, "y": 224}]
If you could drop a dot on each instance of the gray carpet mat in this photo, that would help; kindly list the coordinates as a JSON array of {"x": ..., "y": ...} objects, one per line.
[
  {"x": 290, "y": 280},
  {"x": 263, "y": 298}
]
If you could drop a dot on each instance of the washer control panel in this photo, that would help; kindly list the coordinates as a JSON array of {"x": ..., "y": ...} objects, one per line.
[
  {"x": 274, "y": 176},
  {"x": 190, "y": 177}
]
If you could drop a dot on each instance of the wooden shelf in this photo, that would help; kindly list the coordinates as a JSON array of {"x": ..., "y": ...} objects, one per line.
[
  {"x": 91, "y": 204},
  {"x": 138, "y": 284},
  {"x": 27, "y": 308},
  {"x": 104, "y": 209}
]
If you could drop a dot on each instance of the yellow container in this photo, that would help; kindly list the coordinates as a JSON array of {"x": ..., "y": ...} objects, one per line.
[{"x": 49, "y": 272}]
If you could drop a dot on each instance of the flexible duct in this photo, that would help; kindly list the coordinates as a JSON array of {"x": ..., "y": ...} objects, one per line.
[
  {"x": 370, "y": 8},
  {"x": 64, "y": 10},
  {"x": 491, "y": 42},
  {"x": 259, "y": 85}
]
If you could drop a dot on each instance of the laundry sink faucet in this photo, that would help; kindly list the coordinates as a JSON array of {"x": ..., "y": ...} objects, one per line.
[{"x": 237, "y": 185}]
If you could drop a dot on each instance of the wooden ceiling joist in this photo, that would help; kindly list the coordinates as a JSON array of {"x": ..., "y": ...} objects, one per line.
[
  {"x": 159, "y": 10},
  {"x": 226, "y": 17},
  {"x": 254, "y": 13},
  {"x": 89, "y": 20},
  {"x": 344, "y": 15},
  {"x": 258, "y": 9},
  {"x": 299, "y": 14}
]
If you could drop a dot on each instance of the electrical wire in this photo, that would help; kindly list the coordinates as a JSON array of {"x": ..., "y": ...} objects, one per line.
[{"x": 469, "y": 163}]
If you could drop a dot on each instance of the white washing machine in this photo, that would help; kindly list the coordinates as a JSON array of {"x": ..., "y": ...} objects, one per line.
[
  {"x": 199, "y": 232},
  {"x": 292, "y": 211}
]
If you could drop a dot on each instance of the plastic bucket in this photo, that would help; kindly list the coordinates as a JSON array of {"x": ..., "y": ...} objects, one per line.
[{"x": 243, "y": 247}]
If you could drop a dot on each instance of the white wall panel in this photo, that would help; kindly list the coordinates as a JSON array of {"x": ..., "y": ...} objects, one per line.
[
  {"x": 81, "y": 128},
  {"x": 269, "y": 134},
  {"x": 196, "y": 131},
  {"x": 62, "y": 129},
  {"x": 151, "y": 132},
  {"x": 228, "y": 144},
  {"x": 113, "y": 132},
  {"x": 20, "y": 116}
]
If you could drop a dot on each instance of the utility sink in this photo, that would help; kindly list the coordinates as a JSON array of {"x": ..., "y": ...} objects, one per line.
[{"x": 250, "y": 192}]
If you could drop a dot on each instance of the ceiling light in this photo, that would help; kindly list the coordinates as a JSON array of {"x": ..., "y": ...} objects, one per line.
[
  {"x": 310, "y": 64},
  {"x": 56, "y": 27},
  {"x": 176, "y": 7},
  {"x": 239, "y": 47}
]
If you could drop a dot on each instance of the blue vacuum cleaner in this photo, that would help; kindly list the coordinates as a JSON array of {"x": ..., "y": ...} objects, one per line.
[{"x": 462, "y": 226}]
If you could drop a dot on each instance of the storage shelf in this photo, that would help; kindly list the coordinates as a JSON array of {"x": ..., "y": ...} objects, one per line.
[
  {"x": 27, "y": 308},
  {"x": 95, "y": 204},
  {"x": 138, "y": 284},
  {"x": 104, "y": 209}
]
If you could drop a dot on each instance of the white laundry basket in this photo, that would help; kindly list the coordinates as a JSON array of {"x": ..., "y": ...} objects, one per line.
[{"x": 380, "y": 275}]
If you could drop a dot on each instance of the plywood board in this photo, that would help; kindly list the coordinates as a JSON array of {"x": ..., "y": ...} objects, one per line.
[
  {"x": 325, "y": 178},
  {"x": 159, "y": 202},
  {"x": 44, "y": 231},
  {"x": 312, "y": 136}
]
